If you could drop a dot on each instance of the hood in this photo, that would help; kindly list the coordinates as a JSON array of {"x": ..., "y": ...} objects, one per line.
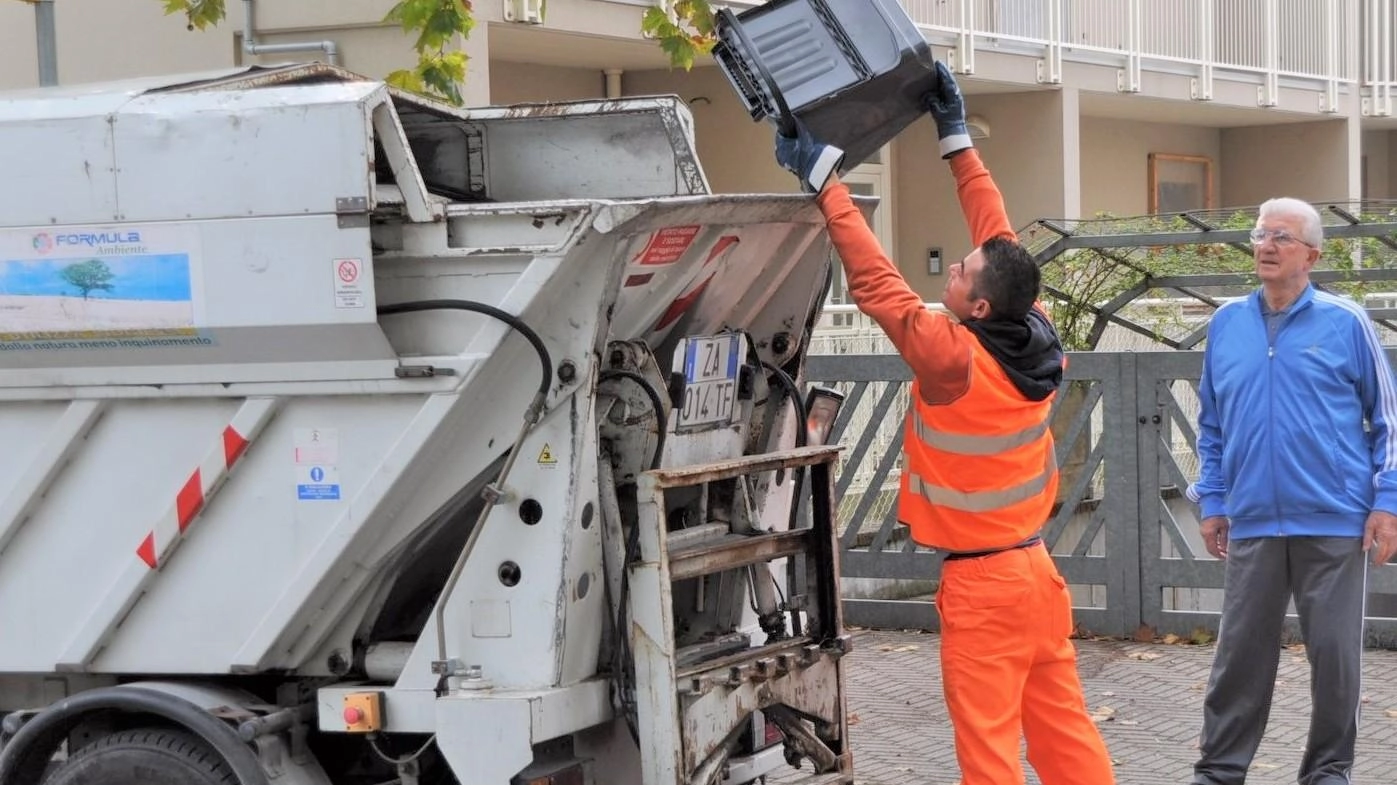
[{"x": 1029, "y": 350}]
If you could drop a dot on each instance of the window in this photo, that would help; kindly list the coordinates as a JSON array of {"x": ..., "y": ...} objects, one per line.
[{"x": 1180, "y": 183}]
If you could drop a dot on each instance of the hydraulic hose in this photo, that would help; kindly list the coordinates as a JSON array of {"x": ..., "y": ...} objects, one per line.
[
  {"x": 797, "y": 474},
  {"x": 622, "y": 653},
  {"x": 790, "y": 386},
  {"x": 29, "y": 751},
  {"x": 488, "y": 310},
  {"x": 655, "y": 402},
  {"x": 492, "y": 491}
]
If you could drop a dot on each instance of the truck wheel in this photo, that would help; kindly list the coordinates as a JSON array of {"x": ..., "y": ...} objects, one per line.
[{"x": 145, "y": 756}]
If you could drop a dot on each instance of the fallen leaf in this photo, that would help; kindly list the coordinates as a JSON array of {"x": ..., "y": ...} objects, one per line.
[
  {"x": 1103, "y": 714},
  {"x": 853, "y": 719},
  {"x": 1391, "y": 713},
  {"x": 1171, "y": 639},
  {"x": 1144, "y": 634},
  {"x": 1146, "y": 656}
]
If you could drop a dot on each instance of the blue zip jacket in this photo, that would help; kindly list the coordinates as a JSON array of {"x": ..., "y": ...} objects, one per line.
[{"x": 1282, "y": 441}]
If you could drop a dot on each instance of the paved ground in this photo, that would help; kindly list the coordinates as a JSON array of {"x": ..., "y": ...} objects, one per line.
[{"x": 1147, "y": 697}]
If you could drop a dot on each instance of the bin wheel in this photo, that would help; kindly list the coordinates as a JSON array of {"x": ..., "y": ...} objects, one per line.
[{"x": 145, "y": 756}]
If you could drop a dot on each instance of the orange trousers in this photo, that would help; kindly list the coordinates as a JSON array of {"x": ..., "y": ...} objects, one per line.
[{"x": 1009, "y": 671}]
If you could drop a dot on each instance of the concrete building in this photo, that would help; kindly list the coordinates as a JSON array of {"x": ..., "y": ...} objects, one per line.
[{"x": 1082, "y": 106}]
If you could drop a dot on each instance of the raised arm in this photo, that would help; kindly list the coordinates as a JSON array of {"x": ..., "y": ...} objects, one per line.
[
  {"x": 980, "y": 199},
  {"x": 935, "y": 348}
]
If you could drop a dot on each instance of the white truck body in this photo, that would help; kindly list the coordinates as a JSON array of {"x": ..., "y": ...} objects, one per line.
[{"x": 231, "y": 469}]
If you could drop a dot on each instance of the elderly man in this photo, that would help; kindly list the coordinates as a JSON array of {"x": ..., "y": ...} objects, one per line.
[{"x": 1293, "y": 491}]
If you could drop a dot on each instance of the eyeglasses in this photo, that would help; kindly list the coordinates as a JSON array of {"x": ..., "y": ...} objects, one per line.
[{"x": 1278, "y": 236}]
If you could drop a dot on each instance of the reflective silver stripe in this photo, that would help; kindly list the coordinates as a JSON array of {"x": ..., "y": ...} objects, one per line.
[
  {"x": 984, "y": 501},
  {"x": 969, "y": 444}
]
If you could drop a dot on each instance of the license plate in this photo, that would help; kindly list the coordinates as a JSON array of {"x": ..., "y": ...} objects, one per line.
[{"x": 710, "y": 366}]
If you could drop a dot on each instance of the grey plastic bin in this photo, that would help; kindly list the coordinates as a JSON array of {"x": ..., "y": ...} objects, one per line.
[{"x": 853, "y": 71}]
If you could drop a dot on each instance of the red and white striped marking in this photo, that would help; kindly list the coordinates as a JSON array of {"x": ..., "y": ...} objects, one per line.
[
  {"x": 204, "y": 481},
  {"x": 681, "y": 304},
  {"x": 117, "y": 602}
]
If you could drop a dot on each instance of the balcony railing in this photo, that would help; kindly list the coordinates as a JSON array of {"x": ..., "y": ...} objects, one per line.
[
  {"x": 1324, "y": 44},
  {"x": 1380, "y": 56}
]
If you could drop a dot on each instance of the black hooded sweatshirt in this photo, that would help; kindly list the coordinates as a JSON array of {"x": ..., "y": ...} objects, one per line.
[{"x": 1029, "y": 350}]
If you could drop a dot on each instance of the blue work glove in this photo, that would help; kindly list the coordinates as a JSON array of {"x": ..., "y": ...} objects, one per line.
[
  {"x": 947, "y": 108},
  {"x": 810, "y": 160}
]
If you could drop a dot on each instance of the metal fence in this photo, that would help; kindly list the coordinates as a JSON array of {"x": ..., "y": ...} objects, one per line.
[{"x": 1122, "y": 534}]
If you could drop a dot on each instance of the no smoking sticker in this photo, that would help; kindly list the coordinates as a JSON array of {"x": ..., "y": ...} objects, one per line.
[{"x": 349, "y": 293}]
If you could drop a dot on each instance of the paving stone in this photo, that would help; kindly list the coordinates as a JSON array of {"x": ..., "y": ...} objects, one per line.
[{"x": 900, "y": 733}]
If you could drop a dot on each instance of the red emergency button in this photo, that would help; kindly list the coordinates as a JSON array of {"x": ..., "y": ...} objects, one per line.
[{"x": 363, "y": 712}]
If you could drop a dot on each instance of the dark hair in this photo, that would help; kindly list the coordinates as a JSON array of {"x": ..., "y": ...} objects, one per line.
[{"x": 1009, "y": 280}]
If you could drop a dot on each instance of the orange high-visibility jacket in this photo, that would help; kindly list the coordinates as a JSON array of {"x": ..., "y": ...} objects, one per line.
[{"x": 980, "y": 471}]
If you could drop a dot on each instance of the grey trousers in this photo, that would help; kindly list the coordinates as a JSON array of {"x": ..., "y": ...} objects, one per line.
[{"x": 1328, "y": 578}]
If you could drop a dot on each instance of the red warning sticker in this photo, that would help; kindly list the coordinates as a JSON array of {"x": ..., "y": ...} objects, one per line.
[{"x": 668, "y": 244}]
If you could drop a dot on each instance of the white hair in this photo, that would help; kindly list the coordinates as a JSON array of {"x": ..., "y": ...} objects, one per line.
[{"x": 1311, "y": 228}]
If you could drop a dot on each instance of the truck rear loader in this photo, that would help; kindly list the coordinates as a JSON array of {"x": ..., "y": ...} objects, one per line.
[{"x": 352, "y": 438}]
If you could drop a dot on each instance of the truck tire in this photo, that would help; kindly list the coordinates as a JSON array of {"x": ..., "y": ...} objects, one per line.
[{"x": 145, "y": 756}]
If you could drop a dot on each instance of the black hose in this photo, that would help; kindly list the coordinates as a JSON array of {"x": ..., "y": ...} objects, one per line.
[
  {"x": 626, "y": 669},
  {"x": 28, "y": 753},
  {"x": 798, "y": 473},
  {"x": 625, "y": 662},
  {"x": 531, "y": 418},
  {"x": 802, "y": 438},
  {"x": 489, "y": 310},
  {"x": 657, "y": 403}
]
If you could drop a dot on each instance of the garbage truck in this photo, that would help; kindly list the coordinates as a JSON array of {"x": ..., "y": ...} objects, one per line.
[{"x": 353, "y": 438}]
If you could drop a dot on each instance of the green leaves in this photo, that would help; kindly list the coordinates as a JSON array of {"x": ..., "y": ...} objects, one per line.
[
  {"x": 436, "y": 21},
  {"x": 440, "y": 69},
  {"x": 436, "y": 74},
  {"x": 1093, "y": 278},
  {"x": 684, "y": 31},
  {"x": 1080, "y": 285},
  {"x": 202, "y": 14}
]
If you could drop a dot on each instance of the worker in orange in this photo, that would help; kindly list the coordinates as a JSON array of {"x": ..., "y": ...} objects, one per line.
[{"x": 980, "y": 475}]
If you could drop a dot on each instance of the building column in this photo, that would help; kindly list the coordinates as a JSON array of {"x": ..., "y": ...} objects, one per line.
[
  {"x": 1390, "y": 186},
  {"x": 1071, "y": 114}
]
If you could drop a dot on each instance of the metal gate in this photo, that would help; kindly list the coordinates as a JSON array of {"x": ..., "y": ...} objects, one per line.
[{"x": 1122, "y": 533}]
